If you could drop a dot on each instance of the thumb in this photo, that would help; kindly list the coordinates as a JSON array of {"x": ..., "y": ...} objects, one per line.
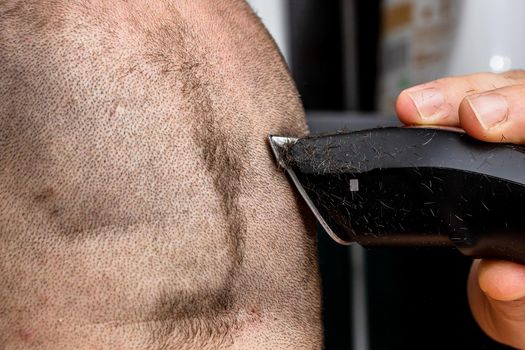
[{"x": 497, "y": 299}]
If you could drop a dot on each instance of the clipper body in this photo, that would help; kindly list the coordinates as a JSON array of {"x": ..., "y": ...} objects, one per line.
[{"x": 412, "y": 187}]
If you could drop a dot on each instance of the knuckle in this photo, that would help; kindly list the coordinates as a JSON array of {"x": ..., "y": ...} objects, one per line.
[
  {"x": 483, "y": 81},
  {"x": 514, "y": 93},
  {"x": 515, "y": 74},
  {"x": 446, "y": 81}
]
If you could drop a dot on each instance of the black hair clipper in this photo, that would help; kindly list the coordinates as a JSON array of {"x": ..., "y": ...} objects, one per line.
[{"x": 412, "y": 187}]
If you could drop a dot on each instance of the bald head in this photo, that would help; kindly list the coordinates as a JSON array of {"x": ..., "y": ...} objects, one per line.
[{"x": 137, "y": 190}]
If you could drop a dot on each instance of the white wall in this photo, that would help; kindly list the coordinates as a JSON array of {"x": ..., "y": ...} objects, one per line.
[{"x": 274, "y": 14}]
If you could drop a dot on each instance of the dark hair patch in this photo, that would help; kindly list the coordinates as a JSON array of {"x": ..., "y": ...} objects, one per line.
[{"x": 179, "y": 56}]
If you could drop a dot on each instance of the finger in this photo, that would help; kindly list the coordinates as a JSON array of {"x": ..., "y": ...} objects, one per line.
[
  {"x": 502, "y": 280},
  {"x": 437, "y": 102},
  {"x": 497, "y": 299},
  {"x": 495, "y": 116}
]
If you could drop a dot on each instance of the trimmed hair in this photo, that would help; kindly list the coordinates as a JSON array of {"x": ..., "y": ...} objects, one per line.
[{"x": 118, "y": 115}]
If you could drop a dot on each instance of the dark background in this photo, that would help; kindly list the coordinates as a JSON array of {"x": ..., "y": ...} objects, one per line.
[{"x": 416, "y": 297}]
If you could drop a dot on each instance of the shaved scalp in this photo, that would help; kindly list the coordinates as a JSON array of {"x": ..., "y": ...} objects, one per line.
[{"x": 139, "y": 204}]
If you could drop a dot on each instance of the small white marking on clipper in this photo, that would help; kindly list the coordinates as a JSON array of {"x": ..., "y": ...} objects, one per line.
[{"x": 354, "y": 185}]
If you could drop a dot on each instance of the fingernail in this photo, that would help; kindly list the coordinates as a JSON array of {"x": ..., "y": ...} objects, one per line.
[
  {"x": 430, "y": 102},
  {"x": 490, "y": 109}
]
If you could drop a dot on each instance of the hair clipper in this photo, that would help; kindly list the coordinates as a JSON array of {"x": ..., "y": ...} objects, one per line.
[{"x": 412, "y": 186}]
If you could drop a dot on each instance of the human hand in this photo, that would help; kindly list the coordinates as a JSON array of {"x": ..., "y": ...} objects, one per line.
[{"x": 489, "y": 107}]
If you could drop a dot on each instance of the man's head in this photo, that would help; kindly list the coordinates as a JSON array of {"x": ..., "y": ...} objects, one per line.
[{"x": 138, "y": 193}]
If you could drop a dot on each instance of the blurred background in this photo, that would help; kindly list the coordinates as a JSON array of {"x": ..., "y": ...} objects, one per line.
[{"x": 350, "y": 60}]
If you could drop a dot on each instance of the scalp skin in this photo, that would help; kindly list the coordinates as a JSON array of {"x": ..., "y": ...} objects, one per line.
[{"x": 139, "y": 204}]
